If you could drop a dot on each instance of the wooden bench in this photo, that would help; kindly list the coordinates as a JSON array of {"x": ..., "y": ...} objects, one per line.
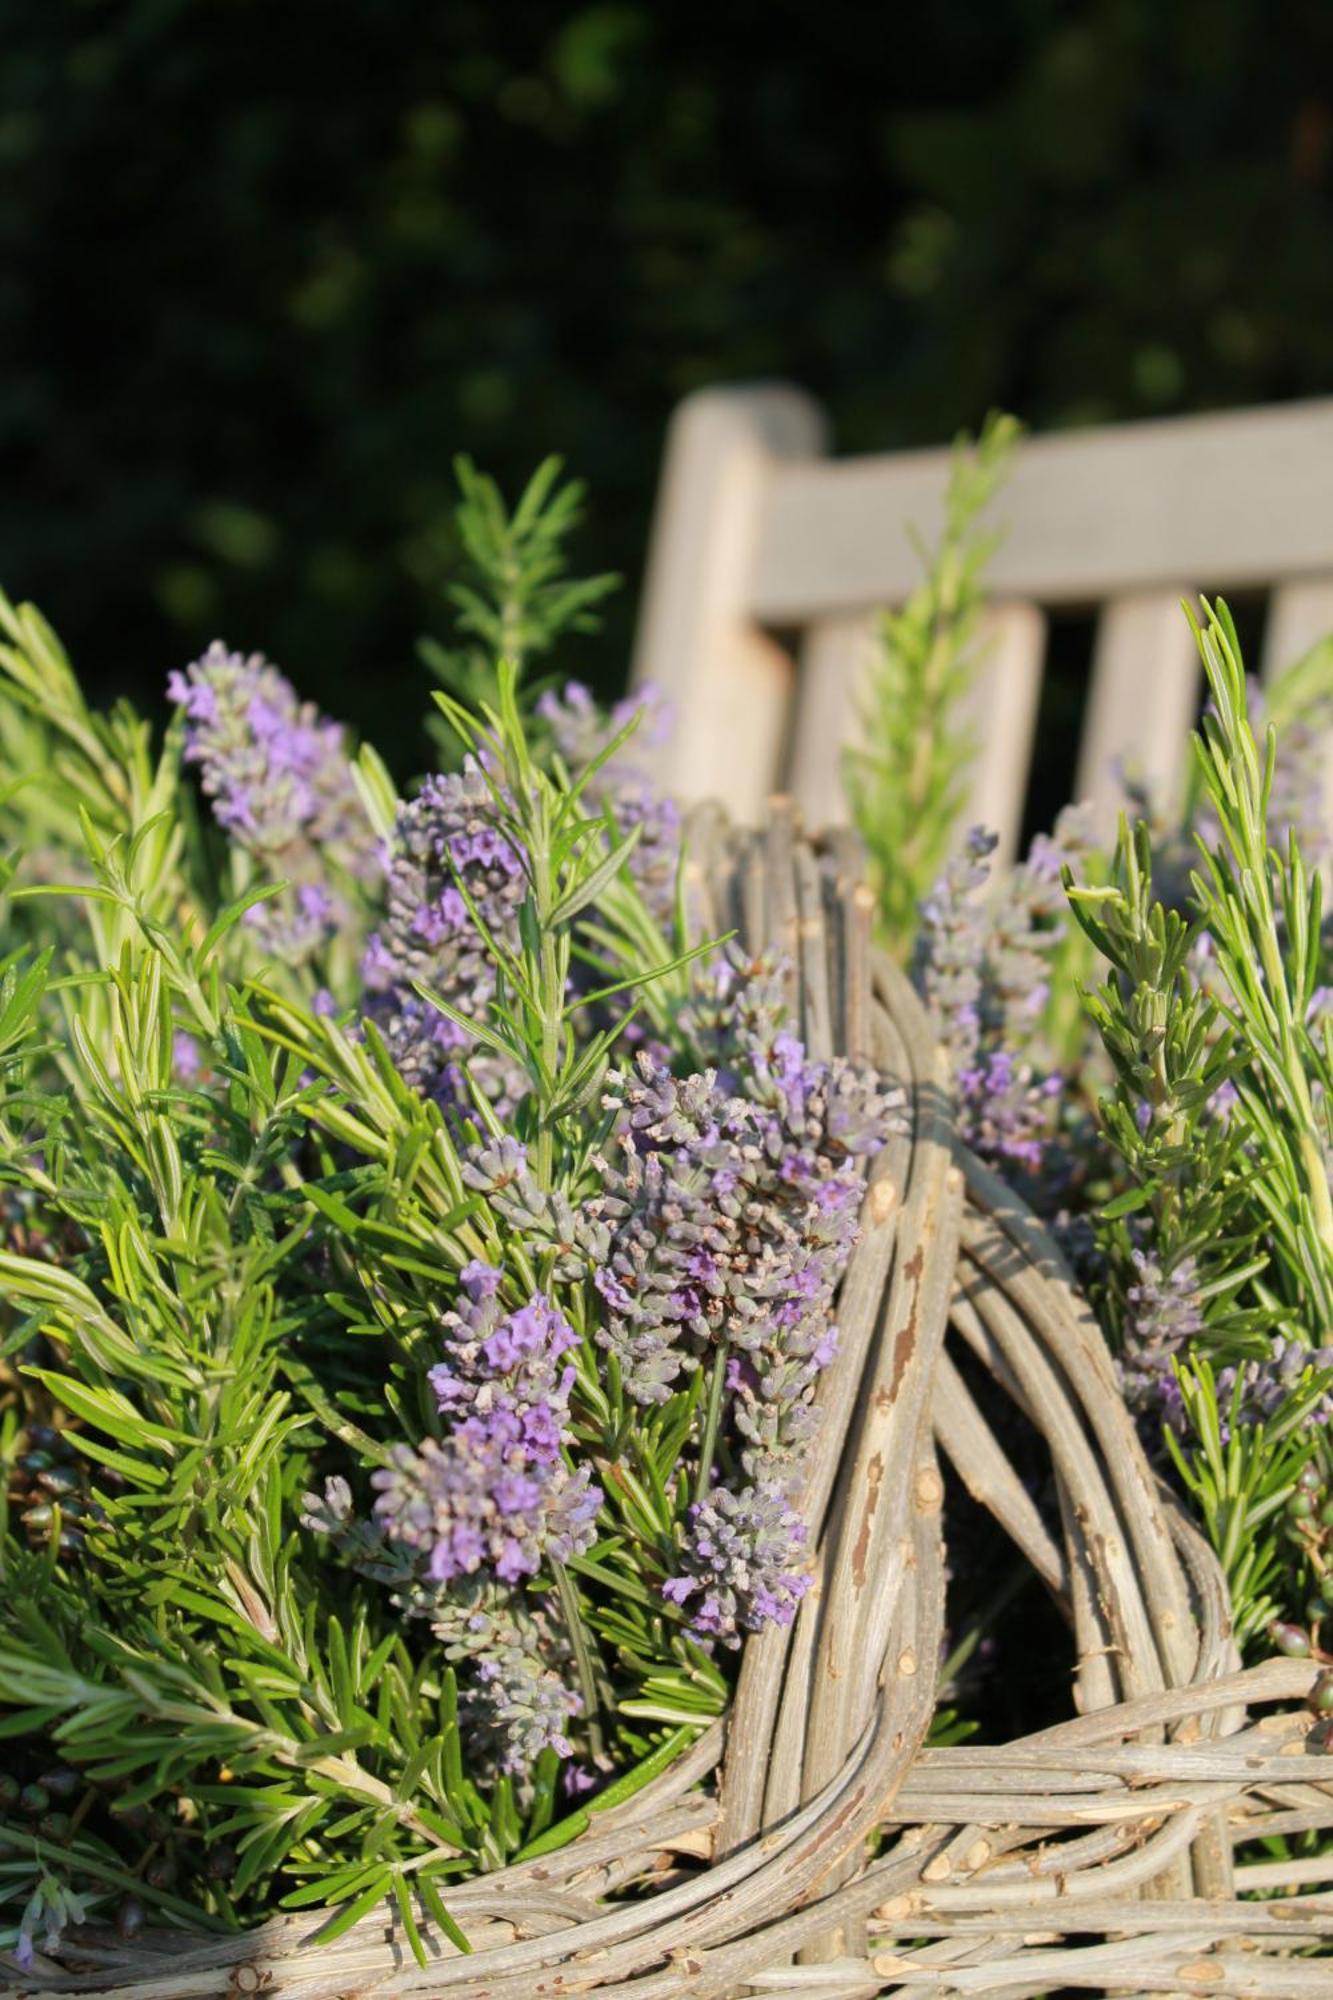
[{"x": 769, "y": 561}]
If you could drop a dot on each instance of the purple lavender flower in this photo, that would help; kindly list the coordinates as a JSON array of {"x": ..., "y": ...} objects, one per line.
[
  {"x": 1004, "y": 1109},
  {"x": 736, "y": 1005},
  {"x": 983, "y": 969},
  {"x": 950, "y": 949},
  {"x": 456, "y": 885},
  {"x": 522, "y": 1349},
  {"x": 1027, "y": 918},
  {"x": 576, "y": 1241},
  {"x": 1266, "y": 1384},
  {"x": 278, "y": 777},
  {"x": 276, "y": 770},
  {"x": 494, "y": 1494},
  {"x": 516, "y": 1702},
  {"x": 1163, "y": 1316},
  {"x": 743, "y": 1565},
  {"x": 454, "y": 880},
  {"x": 731, "y": 1221},
  {"x": 580, "y": 729}
]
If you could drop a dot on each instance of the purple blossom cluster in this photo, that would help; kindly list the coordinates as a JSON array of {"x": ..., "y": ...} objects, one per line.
[
  {"x": 951, "y": 946},
  {"x": 279, "y": 780},
  {"x": 1266, "y": 1384},
  {"x": 575, "y": 1240},
  {"x": 983, "y": 969},
  {"x": 462, "y": 1524},
  {"x": 456, "y": 884},
  {"x": 731, "y": 1221},
  {"x": 742, "y": 1565},
  {"x": 736, "y": 1005},
  {"x": 1004, "y": 1108},
  {"x": 622, "y": 786},
  {"x": 494, "y": 1494},
  {"x": 719, "y": 1236},
  {"x": 517, "y": 1702},
  {"x": 454, "y": 880},
  {"x": 1163, "y": 1316},
  {"x": 513, "y": 1699}
]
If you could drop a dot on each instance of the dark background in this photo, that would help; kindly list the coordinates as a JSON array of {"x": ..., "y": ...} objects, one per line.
[{"x": 265, "y": 266}]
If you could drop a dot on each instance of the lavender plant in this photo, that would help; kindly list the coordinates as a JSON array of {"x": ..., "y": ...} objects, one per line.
[
  {"x": 993, "y": 964},
  {"x": 402, "y": 1401}
]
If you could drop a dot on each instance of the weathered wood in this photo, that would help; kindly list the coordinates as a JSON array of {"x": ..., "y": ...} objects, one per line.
[
  {"x": 1000, "y": 718},
  {"x": 835, "y": 659},
  {"x": 1142, "y": 703},
  {"x": 728, "y": 680},
  {"x": 1244, "y": 498},
  {"x": 761, "y": 545},
  {"x": 1299, "y": 616}
]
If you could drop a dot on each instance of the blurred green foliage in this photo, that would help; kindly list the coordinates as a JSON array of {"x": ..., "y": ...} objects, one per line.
[{"x": 265, "y": 269}]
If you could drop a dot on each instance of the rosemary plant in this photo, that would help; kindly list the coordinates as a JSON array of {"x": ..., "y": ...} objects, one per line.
[
  {"x": 515, "y": 599},
  {"x": 906, "y": 786},
  {"x": 1217, "y": 1251}
]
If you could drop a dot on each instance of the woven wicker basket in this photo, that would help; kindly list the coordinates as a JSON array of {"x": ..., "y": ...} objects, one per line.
[{"x": 1095, "y": 1856}]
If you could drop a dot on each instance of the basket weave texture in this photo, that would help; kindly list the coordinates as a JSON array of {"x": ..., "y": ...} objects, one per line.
[{"x": 810, "y": 1847}]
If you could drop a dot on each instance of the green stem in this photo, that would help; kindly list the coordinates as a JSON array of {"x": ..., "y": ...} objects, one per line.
[
  {"x": 583, "y": 1659},
  {"x": 552, "y": 1009},
  {"x": 712, "y": 1423}
]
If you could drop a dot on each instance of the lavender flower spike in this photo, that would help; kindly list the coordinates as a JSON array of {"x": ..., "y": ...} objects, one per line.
[
  {"x": 622, "y": 786},
  {"x": 276, "y": 771},
  {"x": 446, "y": 841},
  {"x": 1164, "y": 1313},
  {"x": 744, "y": 1561},
  {"x": 494, "y": 1496},
  {"x": 279, "y": 779}
]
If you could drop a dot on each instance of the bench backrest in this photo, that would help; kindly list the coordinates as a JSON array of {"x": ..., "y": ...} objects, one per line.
[{"x": 769, "y": 561}]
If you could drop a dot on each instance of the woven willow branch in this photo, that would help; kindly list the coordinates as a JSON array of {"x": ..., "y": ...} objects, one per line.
[{"x": 747, "y": 1867}]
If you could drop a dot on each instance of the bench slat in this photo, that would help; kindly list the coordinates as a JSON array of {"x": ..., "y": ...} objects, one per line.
[
  {"x": 763, "y": 548},
  {"x": 1142, "y": 703},
  {"x": 1001, "y": 714},
  {"x": 835, "y": 660},
  {"x": 729, "y": 682},
  {"x": 1245, "y": 498},
  {"x": 1300, "y": 615}
]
